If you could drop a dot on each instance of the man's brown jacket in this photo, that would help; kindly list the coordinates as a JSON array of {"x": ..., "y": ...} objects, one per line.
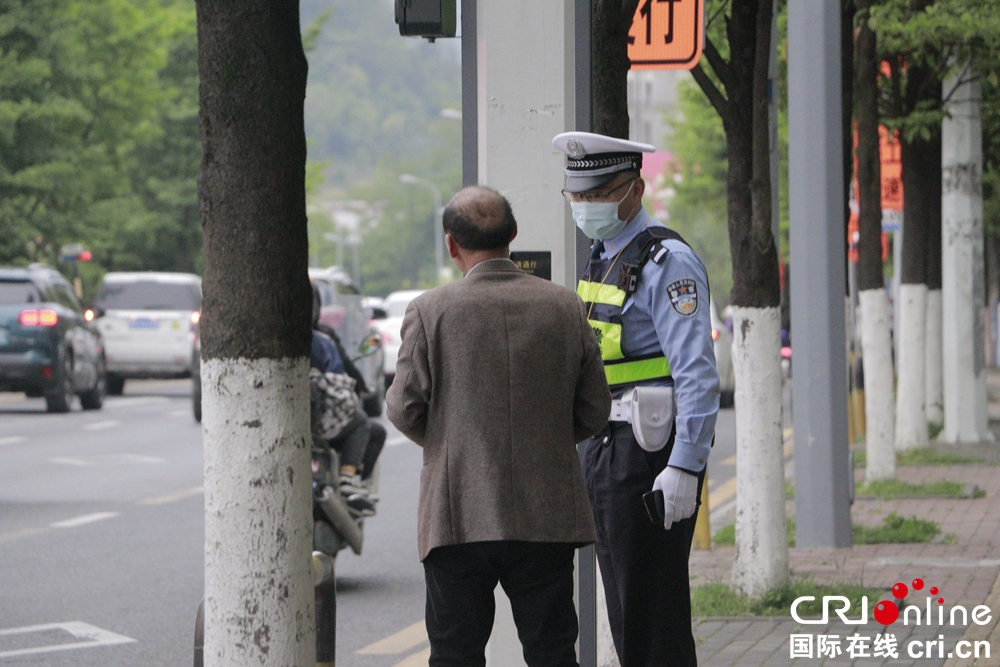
[{"x": 499, "y": 376}]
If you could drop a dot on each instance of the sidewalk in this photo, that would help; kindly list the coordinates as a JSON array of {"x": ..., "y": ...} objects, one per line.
[{"x": 963, "y": 563}]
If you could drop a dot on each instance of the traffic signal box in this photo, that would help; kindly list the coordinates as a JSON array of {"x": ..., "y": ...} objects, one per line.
[{"x": 426, "y": 18}]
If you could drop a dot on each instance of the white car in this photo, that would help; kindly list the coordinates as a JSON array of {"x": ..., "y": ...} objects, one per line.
[
  {"x": 722, "y": 339},
  {"x": 389, "y": 326},
  {"x": 148, "y": 321}
]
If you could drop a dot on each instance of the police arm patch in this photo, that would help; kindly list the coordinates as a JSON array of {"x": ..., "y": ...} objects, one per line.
[{"x": 683, "y": 295}]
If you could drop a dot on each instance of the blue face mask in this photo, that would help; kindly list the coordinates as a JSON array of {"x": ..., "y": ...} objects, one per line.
[{"x": 599, "y": 220}]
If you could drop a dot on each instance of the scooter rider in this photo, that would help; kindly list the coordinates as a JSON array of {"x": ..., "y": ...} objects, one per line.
[
  {"x": 646, "y": 293},
  {"x": 359, "y": 435}
]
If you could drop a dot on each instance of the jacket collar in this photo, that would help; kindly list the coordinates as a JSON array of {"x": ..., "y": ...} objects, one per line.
[{"x": 495, "y": 265}]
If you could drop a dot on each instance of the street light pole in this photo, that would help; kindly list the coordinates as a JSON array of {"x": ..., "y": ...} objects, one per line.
[{"x": 409, "y": 179}]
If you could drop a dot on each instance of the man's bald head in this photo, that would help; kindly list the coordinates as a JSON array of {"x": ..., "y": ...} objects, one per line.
[{"x": 479, "y": 218}]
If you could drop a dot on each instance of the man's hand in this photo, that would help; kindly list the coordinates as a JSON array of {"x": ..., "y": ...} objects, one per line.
[{"x": 680, "y": 494}]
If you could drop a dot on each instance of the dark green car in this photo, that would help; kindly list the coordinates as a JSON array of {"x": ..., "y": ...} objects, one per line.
[{"x": 48, "y": 347}]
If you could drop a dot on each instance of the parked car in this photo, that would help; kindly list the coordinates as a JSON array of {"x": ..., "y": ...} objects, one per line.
[
  {"x": 148, "y": 321},
  {"x": 343, "y": 309},
  {"x": 722, "y": 339},
  {"x": 47, "y": 345},
  {"x": 388, "y": 327}
]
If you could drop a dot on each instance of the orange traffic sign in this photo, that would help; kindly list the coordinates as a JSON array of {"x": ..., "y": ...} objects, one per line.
[{"x": 667, "y": 34}]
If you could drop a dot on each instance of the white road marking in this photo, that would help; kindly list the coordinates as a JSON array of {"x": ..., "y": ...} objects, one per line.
[
  {"x": 395, "y": 442},
  {"x": 180, "y": 495},
  {"x": 85, "y": 519},
  {"x": 98, "y": 426},
  {"x": 137, "y": 400},
  {"x": 105, "y": 459},
  {"x": 70, "y": 462},
  {"x": 91, "y": 636},
  {"x": 10, "y": 440}
]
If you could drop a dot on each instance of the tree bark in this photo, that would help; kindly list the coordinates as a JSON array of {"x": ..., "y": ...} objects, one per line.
[
  {"x": 870, "y": 275},
  {"x": 922, "y": 189},
  {"x": 847, "y": 11},
  {"x": 255, "y": 335},
  {"x": 611, "y": 20},
  {"x": 933, "y": 371}
]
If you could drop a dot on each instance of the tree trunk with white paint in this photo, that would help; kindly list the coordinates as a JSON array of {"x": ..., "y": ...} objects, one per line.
[
  {"x": 880, "y": 411},
  {"x": 255, "y": 336},
  {"x": 876, "y": 343},
  {"x": 964, "y": 293},
  {"x": 760, "y": 563},
  {"x": 933, "y": 391},
  {"x": 911, "y": 415}
]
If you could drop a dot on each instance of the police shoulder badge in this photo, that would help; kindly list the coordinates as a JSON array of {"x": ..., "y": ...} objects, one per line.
[{"x": 683, "y": 295}]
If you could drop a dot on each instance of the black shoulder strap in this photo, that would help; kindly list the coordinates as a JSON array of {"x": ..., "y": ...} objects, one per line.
[{"x": 657, "y": 234}]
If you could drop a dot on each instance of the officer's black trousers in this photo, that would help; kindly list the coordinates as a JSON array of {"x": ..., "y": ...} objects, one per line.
[{"x": 644, "y": 567}]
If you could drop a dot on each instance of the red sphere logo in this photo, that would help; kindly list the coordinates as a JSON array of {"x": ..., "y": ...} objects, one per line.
[
  {"x": 918, "y": 584},
  {"x": 886, "y": 612},
  {"x": 899, "y": 591},
  {"x": 933, "y": 590}
]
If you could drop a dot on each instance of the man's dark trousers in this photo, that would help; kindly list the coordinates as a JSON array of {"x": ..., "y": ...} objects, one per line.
[
  {"x": 538, "y": 579},
  {"x": 643, "y": 566}
]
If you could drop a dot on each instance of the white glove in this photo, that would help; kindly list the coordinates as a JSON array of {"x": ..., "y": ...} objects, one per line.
[{"x": 680, "y": 494}]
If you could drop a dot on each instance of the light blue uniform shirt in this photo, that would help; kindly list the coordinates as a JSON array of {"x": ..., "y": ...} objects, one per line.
[{"x": 651, "y": 324}]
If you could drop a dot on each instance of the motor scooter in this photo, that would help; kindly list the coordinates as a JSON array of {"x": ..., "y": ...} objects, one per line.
[{"x": 336, "y": 524}]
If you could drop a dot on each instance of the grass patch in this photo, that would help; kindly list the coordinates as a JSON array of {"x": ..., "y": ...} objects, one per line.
[
  {"x": 789, "y": 490},
  {"x": 887, "y": 489},
  {"x": 726, "y": 536},
  {"x": 894, "y": 530},
  {"x": 922, "y": 456},
  {"x": 934, "y": 430},
  {"x": 718, "y": 599},
  {"x": 925, "y": 456}
]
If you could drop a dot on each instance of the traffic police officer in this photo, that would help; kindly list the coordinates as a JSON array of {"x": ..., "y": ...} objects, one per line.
[{"x": 646, "y": 294}]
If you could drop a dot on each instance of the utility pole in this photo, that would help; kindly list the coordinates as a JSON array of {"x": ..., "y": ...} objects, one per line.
[
  {"x": 822, "y": 476},
  {"x": 963, "y": 283},
  {"x": 409, "y": 179}
]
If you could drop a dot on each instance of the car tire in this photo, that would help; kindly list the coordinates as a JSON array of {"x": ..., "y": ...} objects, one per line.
[
  {"x": 93, "y": 398},
  {"x": 196, "y": 400},
  {"x": 60, "y": 397},
  {"x": 373, "y": 404},
  {"x": 115, "y": 384}
]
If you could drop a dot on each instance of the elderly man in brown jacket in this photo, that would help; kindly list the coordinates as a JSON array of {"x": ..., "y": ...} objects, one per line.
[{"x": 499, "y": 376}]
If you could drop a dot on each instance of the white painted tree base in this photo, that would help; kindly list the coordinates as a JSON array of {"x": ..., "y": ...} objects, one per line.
[
  {"x": 258, "y": 513},
  {"x": 911, "y": 413},
  {"x": 760, "y": 564},
  {"x": 880, "y": 412},
  {"x": 933, "y": 387}
]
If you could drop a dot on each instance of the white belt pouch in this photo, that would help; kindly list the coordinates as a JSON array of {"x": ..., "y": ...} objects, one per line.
[{"x": 651, "y": 411}]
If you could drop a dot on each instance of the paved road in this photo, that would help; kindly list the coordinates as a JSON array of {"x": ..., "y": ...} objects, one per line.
[{"x": 101, "y": 523}]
